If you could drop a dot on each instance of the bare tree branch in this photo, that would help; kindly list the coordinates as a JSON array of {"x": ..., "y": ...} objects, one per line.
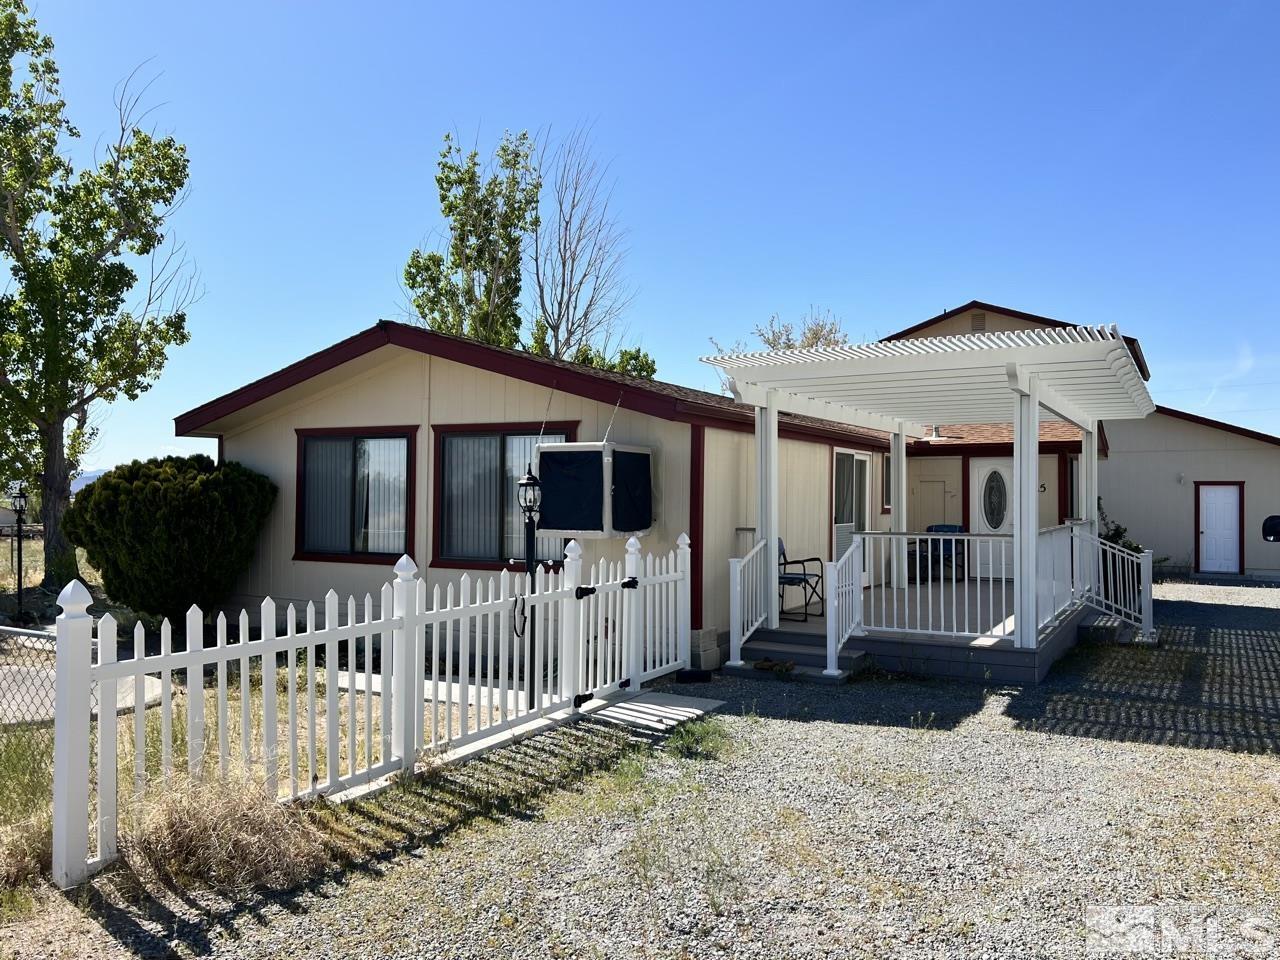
[{"x": 580, "y": 293}]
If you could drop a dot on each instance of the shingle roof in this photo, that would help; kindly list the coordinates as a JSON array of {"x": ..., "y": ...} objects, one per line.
[{"x": 971, "y": 433}]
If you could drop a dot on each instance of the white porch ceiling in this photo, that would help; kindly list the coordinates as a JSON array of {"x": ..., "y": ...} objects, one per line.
[{"x": 1085, "y": 374}]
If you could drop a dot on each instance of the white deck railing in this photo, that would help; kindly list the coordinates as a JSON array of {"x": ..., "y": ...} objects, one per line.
[
  {"x": 316, "y": 711},
  {"x": 843, "y": 583},
  {"x": 1057, "y": 589},
  {"x": 1114, "y": 580},
  {"x": 939, "y": 584},
  {"x": 749, "y": 597}
]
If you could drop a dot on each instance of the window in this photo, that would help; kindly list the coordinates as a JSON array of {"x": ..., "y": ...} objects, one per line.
[
  {"x": 354, "y": 493},
  {"x": 886, "y": 483},
  {"x": 478, "y": 515},
  {"x": 995, "y": 500}
]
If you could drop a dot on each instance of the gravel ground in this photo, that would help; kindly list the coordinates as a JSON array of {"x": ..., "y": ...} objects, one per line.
[{"x": 888, "y": 818}]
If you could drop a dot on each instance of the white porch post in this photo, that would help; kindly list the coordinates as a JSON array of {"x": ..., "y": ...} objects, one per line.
[
  {"x": 772, "y": 526},
  {"x": 898, "y": 502},
  {"x": 1026, "y": 508},
  {"x": 1089, "y": 478}
]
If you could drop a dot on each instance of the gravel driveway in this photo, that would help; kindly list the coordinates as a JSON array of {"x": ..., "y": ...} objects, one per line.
[{"x": 887, "y": 818}]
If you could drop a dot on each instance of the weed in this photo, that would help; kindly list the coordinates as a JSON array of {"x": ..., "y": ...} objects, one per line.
[
  {"x": 227, "y": 834},
  {"x": 704, "y": 739}
]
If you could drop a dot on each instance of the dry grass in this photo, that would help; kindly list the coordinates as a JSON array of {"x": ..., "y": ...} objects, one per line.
[
  {"x": 25, "y": 850},
  {"x": 225, "y": 834},
  {"x": 33, "y": 565}
]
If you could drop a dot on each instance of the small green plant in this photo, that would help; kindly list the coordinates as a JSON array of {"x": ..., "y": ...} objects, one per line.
[{"x": 704, "y": 739}]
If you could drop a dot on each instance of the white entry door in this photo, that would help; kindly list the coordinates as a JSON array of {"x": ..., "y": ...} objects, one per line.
[
  {"x": 991, "y": 511},
  {"x": 1219, "y": 528},
  {"x": 851, "y": 501}
]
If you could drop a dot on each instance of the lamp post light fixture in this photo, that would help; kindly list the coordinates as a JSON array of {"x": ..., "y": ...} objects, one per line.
[
  {"x": 19, "y": 510},
  {"x": 529, "y": 495}
]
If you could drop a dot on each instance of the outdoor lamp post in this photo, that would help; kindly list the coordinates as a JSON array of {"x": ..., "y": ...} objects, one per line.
[
  {"x": 529, "y": 494},
  {"x": 19, "y": 509}
]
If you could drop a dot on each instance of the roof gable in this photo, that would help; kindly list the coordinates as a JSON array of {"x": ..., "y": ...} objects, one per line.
[{"x": 1031, "y": 321}]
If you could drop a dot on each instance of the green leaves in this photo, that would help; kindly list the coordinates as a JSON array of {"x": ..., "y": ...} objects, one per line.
[
  {"x": 74, "y": 243},
  {"x": 473, "y": 289}
]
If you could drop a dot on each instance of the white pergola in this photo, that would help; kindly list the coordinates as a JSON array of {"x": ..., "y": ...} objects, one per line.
[{"x": 1082, "y": 375}]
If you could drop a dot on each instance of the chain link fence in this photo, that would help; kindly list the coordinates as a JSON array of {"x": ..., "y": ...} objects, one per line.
[{"x": 26, "y": 727}]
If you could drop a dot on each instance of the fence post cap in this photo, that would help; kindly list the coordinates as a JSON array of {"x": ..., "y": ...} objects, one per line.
[
  {"x": 572, "y": 551},
  {"x": 633, "y": 545},
  {"x": 405, "y": 567},
  {"x": 683, "y": 541},
  {"x": 74, "y": 599}
]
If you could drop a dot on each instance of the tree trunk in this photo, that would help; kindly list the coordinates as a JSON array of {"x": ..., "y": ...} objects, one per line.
[{"x": 55, "y": 495}]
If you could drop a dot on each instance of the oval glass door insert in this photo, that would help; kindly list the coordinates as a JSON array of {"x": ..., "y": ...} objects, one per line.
[{"x": 995, "y": 500}]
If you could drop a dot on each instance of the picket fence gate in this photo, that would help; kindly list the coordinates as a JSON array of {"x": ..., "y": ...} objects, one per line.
[{"x": 423, "y": 673}]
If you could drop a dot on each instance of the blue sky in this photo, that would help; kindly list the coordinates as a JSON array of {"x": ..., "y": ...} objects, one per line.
[{"x": 1094, "y": 162}]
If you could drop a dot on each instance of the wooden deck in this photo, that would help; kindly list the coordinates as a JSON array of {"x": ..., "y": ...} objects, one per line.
[{"x": 989, "y": 655}]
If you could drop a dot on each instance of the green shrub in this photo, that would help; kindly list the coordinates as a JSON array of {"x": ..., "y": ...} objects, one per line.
[{"x": 167, "y": 533}]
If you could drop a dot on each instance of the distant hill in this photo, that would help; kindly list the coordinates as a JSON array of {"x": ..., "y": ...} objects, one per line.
[{"x": 82, "y": 481}]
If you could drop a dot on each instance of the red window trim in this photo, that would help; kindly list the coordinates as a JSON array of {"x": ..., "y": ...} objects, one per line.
[
  {"x": 1196, "y": 529},
  {"x": 439, "y": 431},
  {"x": 410, "y": 433},
  {"x": 697, "y": 507}
]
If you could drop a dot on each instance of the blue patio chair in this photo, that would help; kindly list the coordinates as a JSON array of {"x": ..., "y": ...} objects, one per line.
[
  {"x": 810, "y": 583},
  {"x": 945, "y": 552}
]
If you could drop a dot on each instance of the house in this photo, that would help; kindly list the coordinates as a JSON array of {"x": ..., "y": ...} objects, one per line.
[
  {"x": 401, "y": 440},
  {"x": 426, "y": 434},
  {"x": 1194, "y": 490}
]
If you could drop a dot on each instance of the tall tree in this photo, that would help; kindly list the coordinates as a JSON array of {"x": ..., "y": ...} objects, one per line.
[
  {"x": 580, "y": 291},
  {"x": 473, "y": 288},
  {"x": 69, "y": 333}
]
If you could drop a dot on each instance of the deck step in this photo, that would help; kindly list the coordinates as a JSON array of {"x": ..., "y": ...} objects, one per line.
[
  {"x": 1104, "y": 628},
  {"x": 801, "y": 654}
]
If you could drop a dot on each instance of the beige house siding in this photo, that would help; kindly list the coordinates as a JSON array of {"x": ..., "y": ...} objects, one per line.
[
  {"x": 1148, "y": 485},
  {"x": 936, "y": 491},
  {"x": 412, "y": 388},
  {"x": 729, "y": 512},
  {"x": 962, "y": 323}
]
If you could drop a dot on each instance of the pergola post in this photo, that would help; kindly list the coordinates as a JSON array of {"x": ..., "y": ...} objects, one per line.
[
  {"x": 1026, "y": 508},
  {"x": 1089, "y": 478},
  {"x": 898, "y": 502},
  {"x": 767, "y": 528}
]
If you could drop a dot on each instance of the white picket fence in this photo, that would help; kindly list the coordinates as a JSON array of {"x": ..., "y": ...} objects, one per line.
[{"x": 437, "y": 672}]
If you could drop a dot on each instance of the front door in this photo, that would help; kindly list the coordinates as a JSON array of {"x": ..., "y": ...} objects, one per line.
[
  {"x": 1219, "y": 528},
  {"x": 851, "y": 501},
  {"x": 990, "y": 512}
]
